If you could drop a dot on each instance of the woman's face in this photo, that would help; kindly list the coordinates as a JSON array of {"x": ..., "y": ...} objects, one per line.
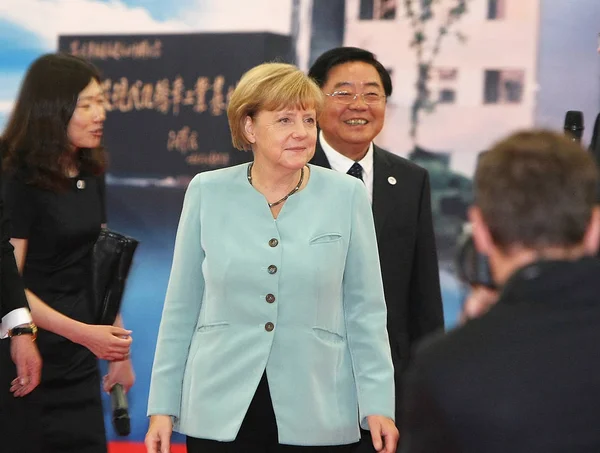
[
  {"x": 283, "y": 138},
  {"x": 86, "y": 125}
]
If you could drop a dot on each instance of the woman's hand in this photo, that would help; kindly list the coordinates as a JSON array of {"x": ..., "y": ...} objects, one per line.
[
  {"x": 479, "y": 301},
  {"x": 27, "y": 358},
  {"x": 106, "y": 342},
  {"x": 158, "y": 437},
  {"x": 384, "y": 433},
  {"x": 119, "y": 373}
]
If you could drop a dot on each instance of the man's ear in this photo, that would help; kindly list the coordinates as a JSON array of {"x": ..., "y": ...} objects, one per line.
[
  {"x": 249, "y": 129},
  {"x": 481, "y": 233},
  {"x": 591, "y": 240}
]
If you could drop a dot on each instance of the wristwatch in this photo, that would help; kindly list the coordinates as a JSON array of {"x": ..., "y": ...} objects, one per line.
[{"x": 25, "y": 329}]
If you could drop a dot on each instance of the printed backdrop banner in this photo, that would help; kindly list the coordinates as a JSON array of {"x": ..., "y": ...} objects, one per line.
[
  {"x": 167, "y": 96},
  {"x": 166, "y": 122}
]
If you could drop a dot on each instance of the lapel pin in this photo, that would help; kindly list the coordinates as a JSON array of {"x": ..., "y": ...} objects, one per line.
[
  {"x": 80, "y": 184},
  {"x": 392, "y": 180}
]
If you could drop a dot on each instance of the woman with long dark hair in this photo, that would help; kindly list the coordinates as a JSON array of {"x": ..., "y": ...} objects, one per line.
[{"x": 54, "y": 195}]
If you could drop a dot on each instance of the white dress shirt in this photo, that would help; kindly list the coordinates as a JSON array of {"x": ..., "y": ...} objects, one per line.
[
  {"x": 341, "y": 163},
  {"x": 13, "y": 319}
]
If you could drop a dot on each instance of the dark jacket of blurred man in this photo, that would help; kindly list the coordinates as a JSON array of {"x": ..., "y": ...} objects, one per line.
[
  {"x": 357, "y": 86},
  {"x": 523, "y": 377}
]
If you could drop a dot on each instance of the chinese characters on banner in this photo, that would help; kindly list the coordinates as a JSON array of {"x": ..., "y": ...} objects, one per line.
[{"x": 166, "y": 96}]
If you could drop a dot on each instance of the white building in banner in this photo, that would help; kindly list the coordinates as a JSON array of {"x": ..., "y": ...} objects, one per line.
[{"x": 485, "y": 87}]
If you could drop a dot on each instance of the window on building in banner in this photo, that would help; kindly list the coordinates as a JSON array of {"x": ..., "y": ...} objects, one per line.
[
  {"x": 377, "y": 9},
  {"x": 444, "y": 81},
  {"x": 496, "y": 9},
  {"x": 447, "y": 96},
  {"x": 390, "y": 71},
  {"x": 503, "y": 86}
]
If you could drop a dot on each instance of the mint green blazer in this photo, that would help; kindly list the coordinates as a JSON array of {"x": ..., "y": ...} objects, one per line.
[{"x": 300, "y": 296}]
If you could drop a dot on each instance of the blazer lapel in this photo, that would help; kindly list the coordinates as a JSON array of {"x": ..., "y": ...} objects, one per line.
[
  {"x": 320, "y": 158},
  {"x": 384, "y": 183}
]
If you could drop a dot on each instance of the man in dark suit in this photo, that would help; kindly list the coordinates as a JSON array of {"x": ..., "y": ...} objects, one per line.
[
  {"x": 356, "y": 86},
  {"x": 20, "y": 361},
  {"x": 523, "y": 377}
]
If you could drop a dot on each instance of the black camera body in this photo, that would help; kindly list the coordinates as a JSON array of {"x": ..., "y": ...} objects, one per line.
[{"x": 472, "y": 267}]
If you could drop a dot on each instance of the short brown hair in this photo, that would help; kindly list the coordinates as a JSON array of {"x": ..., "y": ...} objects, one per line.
[
  {"x": 269, "y": 86},
  {"x": 536, "y": 189}
]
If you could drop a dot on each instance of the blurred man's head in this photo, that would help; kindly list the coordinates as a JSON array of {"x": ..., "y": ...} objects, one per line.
[
  {"x": 535, "y": 197},
  {"x": 356, "y": 87}
]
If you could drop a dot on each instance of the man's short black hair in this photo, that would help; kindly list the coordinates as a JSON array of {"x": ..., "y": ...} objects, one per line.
[{"x": 319, "y": 71}]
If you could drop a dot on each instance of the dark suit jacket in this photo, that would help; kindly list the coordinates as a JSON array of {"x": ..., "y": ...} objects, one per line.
[
  {"x": 12, "y": 295},
  {"x": 595, "y": 150},
  {"x": 407, "y": 253},
  {"x": 595, "y": 141},
  {"x": 521, "y": 379}
]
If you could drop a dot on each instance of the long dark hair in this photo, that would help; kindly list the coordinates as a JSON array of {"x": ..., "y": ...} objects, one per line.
[{"x": 35, "y": 138}]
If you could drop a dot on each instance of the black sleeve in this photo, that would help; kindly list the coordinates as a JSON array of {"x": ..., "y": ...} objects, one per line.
[
  {"x": 12, "y": 293},
  {"x": 425, "y": 309}
]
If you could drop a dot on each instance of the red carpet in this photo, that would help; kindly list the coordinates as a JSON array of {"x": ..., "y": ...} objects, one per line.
[{"x": 130, "y": 447}]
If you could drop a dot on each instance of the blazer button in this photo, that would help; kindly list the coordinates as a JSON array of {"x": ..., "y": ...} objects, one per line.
[
  {"x": 273, "y": 242},
  {"x": 270, "y": 298},
  {"x": 269, "y": 327},
  {"x": 272, "y": 269}
]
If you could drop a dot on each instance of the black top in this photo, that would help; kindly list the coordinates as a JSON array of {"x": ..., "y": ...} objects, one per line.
[
  {"x": 61, "y": 229},
  {"x": 521, "y": 378}
]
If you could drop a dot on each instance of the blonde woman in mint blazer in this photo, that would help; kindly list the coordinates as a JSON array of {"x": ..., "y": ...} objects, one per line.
[{"x": 273, "y": 335}]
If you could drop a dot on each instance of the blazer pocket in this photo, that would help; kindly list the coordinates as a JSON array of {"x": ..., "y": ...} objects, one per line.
[
  {"x": 211, "y": 327},
  {"x": 328, "y": 336},
  {"x": 325, "y": 238}
]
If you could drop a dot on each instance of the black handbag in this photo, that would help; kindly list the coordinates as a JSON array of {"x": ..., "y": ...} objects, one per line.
[{"x": 112, "y": 257}]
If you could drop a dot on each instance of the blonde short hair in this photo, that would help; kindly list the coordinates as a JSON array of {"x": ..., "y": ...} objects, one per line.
[{"x": 269, "y": 86}]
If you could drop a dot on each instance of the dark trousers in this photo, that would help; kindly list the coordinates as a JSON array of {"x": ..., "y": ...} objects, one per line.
[
  {"x": 258, "y": 433},
  {"x": 20, "y": 422}
]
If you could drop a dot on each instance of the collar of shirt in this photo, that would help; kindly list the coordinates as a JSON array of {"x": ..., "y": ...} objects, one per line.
[{"x": 341, "y": 163}]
